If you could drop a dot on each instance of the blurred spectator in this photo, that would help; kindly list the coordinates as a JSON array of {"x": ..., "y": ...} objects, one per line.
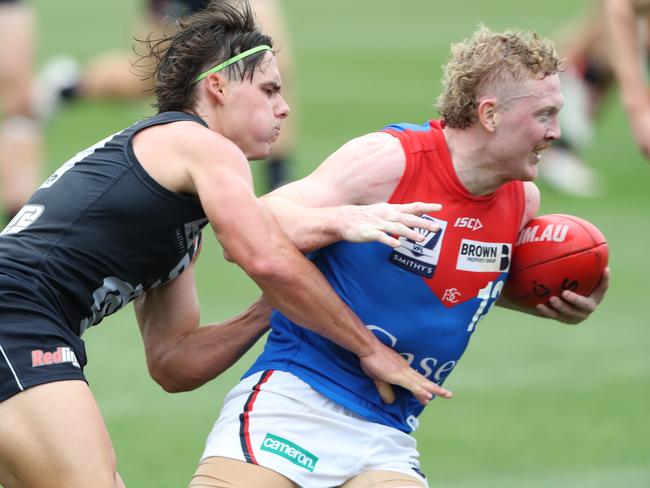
[
  {"x": 627, "y": 25},
  {"x": 606, "y": 44},
  {"x": 20, "y": 133}
]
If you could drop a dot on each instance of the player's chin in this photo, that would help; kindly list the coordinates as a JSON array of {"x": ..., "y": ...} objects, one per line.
[
  {"x": 261, "y": 151},
  {"x": 530, "y": 172}
]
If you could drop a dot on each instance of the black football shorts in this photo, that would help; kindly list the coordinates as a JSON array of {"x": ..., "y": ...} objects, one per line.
[{"x": 35, "y": 346}]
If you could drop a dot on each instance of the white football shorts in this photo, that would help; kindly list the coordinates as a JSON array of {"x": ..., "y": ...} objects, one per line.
[{"x": 276, "y": 420}]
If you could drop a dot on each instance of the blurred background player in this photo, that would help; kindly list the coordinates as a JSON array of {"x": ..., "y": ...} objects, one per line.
[
  {"x": 606, "y": 44},
  {"x": 627, "y": 39},
  {"x": 113, "y": 74},
  {"x": 20, "y": 133}
]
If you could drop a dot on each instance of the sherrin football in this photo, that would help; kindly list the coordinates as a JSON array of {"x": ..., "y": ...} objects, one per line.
[{"x": 553, "y": 253}]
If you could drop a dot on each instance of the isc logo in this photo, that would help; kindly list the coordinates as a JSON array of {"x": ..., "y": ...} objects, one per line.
[{"x": 469, "y": 223}]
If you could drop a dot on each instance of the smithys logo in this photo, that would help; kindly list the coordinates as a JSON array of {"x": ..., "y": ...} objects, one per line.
[{"x": 420, "y": 258}]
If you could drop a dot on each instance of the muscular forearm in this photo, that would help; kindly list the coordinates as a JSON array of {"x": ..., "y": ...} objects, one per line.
[
  {"x": 299, "y": 290},
  {"x": 181, "y": 355},
  {"x": 307, "y": 228},
  {"x": 504, "y": 303},
  {"x": 207, "y": 351}
]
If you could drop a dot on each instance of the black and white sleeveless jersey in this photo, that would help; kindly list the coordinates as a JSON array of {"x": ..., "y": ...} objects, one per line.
[{"x": 100, "y": 231}]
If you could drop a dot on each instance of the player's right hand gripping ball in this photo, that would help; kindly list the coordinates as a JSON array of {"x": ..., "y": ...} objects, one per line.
[{"x": 555, "y": 252}]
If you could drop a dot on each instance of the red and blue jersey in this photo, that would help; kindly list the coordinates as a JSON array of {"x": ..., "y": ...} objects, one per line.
[{"x": 424, "y": 299}]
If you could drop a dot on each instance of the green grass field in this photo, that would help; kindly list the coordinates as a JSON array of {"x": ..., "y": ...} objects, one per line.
[{"x": 537, "y": 403}]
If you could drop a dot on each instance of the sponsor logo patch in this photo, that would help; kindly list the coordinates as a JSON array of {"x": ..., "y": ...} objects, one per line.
[
  {"x": 484, "y": 257},
  {"x": 290, "y": 451},
  {"x": 551, "y": 233},
  {"x": 451, "y": 295},
  {"x": 59, "y": 356},
  {"x": 421, "y": 257},
  {"x": 468, "y": 223}
]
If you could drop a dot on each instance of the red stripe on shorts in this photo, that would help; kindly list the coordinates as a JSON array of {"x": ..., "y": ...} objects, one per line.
[{"x": 244, "y": 420}]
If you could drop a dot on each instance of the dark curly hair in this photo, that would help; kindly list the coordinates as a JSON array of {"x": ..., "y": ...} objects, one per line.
[{"x": 203, "y": 40}]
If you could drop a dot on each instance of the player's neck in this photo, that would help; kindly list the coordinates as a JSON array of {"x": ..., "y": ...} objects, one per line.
[{"x": 471, "y": 160}]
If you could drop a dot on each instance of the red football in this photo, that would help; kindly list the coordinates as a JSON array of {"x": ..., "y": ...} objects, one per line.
[{"x": 554, "y": 253}]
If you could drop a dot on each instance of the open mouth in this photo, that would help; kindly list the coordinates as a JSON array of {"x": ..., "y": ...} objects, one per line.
[{"x": 538, "y": 150}]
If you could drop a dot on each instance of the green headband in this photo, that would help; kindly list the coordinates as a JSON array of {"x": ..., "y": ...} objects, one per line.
[{"x": 232, "y": 60}]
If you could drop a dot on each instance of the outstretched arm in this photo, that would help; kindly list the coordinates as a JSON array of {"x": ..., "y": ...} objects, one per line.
[
  {"x": 344, "y": 198},
  {"x": 182, "y": 356}
]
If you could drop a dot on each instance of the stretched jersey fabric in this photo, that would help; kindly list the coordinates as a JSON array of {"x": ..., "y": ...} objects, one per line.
[
  {"x": 99, "y": 232},
  {"x": 423, "y": 299}
]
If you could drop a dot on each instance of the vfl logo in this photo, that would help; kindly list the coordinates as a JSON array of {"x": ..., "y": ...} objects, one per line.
[
  {"x": 420, "y": 258},
  {"x": 26, "y": 217},
  {"x": 469, "y": 223},
  {"x": 451, "y": 295},
  {"x": 484, "y": 257},
  {"x": 60, "y": 356}
]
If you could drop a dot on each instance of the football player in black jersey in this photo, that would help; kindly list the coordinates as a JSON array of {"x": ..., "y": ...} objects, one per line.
[{"x": 121, "y": 220}]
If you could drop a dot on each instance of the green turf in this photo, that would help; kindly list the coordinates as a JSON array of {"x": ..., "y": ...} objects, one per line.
[{"x": 537, "y": 404}]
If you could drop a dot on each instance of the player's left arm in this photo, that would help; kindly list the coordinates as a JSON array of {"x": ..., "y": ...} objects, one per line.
[
  {"x": 569, "y": 307},
  {"x": 182, "y": 356},
  {"x": 345, "y": 198}
]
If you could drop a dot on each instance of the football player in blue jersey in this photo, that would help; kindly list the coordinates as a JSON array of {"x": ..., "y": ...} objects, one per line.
[
  {"x": 305, "y": 414},
  {"x": 122, "y": 220}
]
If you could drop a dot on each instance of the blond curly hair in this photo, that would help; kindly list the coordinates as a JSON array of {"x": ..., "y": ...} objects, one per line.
[{"x": 487, "y": 58}]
